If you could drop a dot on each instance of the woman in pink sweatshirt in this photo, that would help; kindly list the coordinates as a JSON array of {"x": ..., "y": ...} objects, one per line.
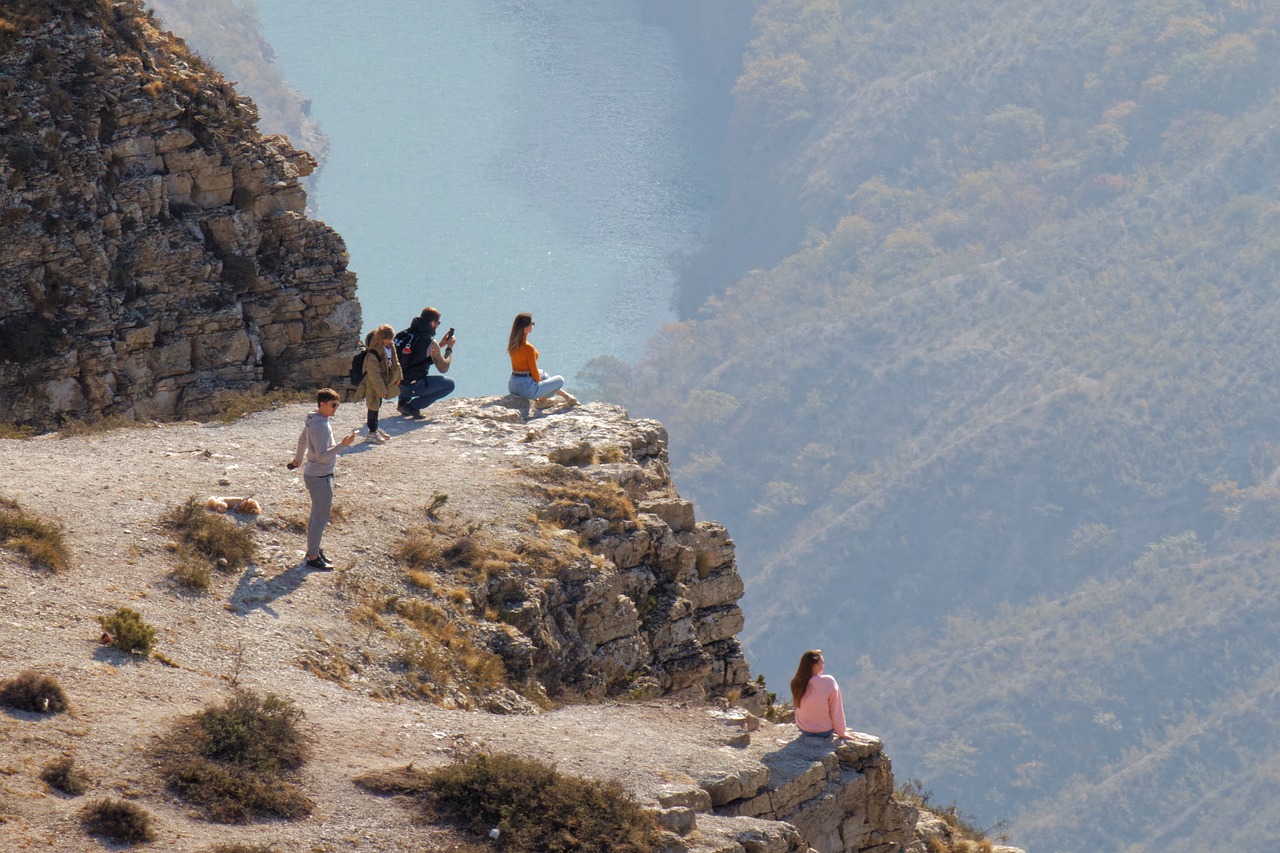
[{"x": 819, "y": 710}]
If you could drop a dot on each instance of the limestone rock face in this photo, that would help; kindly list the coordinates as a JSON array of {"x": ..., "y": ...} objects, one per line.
[
  {"x": 155, "y": 245},
  {"x": 651, "y": 608}
]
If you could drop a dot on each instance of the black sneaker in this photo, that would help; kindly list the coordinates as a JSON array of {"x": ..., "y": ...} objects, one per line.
[
  {"x": 319, "y": 565},
  {"x": 405, "y": 410}
]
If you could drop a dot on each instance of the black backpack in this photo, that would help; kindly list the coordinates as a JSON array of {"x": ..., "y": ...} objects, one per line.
[
  {"x": 357, "y": 367},
  {"x": 406, "y": 344}
]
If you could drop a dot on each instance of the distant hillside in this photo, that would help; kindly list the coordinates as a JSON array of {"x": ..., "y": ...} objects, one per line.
[{"x": 1012, "y": 328}]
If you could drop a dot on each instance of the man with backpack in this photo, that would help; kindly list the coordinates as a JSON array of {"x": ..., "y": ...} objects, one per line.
[{"x": 418, "y": 351}]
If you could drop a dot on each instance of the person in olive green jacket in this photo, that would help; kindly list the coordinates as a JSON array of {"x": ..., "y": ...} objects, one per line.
[{"x": 381, "y": 380}]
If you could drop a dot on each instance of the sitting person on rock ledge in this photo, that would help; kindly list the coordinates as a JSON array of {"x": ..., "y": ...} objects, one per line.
[
  {"x": 819, "y": 709},
  {"x": 526, "y": 379}
]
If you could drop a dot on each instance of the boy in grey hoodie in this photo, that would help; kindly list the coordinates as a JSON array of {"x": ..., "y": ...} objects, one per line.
[{"x": 320, "y": 451}]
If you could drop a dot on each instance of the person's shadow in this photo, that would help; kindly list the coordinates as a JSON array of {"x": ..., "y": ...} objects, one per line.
[{"x": 257, "y": 592}]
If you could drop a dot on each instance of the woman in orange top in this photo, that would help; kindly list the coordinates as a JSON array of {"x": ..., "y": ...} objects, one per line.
[{"x": 526, "y": 380}]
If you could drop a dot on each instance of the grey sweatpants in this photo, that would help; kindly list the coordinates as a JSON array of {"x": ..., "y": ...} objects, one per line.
[{"x": 321, "y": 490}]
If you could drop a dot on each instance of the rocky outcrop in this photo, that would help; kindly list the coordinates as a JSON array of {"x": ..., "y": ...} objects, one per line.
[
  {"x": 780, "y": 792},
  {"x": 156, "y": 249},
  {"x": 650, "y": 607}
]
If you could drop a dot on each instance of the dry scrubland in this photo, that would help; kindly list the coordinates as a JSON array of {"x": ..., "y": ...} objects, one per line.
[{"x": 311, "y": 678}]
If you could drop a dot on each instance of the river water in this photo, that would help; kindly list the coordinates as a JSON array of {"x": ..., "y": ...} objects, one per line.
[{"x": 496, "y": 156}]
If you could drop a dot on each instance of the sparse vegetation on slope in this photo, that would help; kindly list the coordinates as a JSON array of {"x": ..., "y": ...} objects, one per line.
[
  {"x": 531, "y": 805},
  {"x": 42, "y": 542},
  {"x": 207, "y": 541},
  {"x": 236, "y": 760}
]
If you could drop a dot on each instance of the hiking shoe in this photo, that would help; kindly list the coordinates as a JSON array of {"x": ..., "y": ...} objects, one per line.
[
  {"x": 319, "y": 564},
  {"x": 569, "y": 400},
  {"x": 384, "y": 435},
  {"x": 406, "y": 410}
]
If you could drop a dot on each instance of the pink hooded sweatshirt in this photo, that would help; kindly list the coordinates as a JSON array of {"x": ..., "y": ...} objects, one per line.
[{"x": 821, "y": 709}]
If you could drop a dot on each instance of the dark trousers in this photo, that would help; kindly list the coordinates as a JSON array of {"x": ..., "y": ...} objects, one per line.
[{"x": 419, "y": 393}]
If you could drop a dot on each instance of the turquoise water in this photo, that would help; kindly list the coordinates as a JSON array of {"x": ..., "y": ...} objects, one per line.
[{"x": 496, "y": 156}]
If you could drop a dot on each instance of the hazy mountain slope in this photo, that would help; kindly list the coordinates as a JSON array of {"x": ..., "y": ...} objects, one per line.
[
  {"x": 1023, "y": 325},
  {"x": 1142, "y": 707}
]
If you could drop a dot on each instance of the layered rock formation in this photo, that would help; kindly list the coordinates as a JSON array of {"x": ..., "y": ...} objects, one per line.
[
  {"x": 155, "y": 246},
  {"x": 650, "y": 606}
]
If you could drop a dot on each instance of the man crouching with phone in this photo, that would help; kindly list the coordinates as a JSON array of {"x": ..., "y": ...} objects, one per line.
[
  {"x": 318, "y": 454},
  {"x": 418, "y": 351}
]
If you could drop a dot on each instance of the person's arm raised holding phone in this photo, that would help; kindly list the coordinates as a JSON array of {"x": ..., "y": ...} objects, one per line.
[{"x": 442, "y": 359}]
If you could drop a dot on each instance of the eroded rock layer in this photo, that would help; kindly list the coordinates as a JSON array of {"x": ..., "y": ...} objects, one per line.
[{"x": 155, "y": 246}]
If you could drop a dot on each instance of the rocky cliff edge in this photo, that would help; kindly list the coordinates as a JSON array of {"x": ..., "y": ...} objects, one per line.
[{"x": 600, "y": 637}]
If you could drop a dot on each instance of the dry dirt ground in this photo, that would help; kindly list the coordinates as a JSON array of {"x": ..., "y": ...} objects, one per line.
[{"x": 258, "y": 627}]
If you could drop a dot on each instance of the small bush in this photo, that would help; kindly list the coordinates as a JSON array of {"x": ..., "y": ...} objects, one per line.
[
  {"x": 534, "y": 806},
  {"x": 118, "y": 820},
  {"x": 232, "y": 759},
  {"x": 214, "y": 537},
  {"x": 43, "y": 542},
  {"x": 31, "y": 691},
  {"x": 128, "y": 632},
  {"x": 193, "y": 571},
  {"x": 61, "y": 774}
]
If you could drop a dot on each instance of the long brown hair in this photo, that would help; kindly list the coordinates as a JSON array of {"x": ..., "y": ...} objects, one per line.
[
  {"x": 804, "y": 672},
  {"x": 519, "y": 330}
]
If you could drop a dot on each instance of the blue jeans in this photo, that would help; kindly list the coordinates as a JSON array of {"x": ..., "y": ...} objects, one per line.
[
  {"x": 420, "y": 393},
  {"x": 522, "y": 385}
]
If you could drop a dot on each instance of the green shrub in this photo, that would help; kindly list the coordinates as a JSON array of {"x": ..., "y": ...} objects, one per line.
[
  {"x": 128, "y": 632},
  {"x": 214, "y": 537},
  {"x": 31, "y": 691},
  {"x": 532, "y": 805},
  {"x": 118, "y": 820},
  {"x": 233, "y": 760},
  {"x": 43, "y": 542},
  {"x": 61, "y": 773}
]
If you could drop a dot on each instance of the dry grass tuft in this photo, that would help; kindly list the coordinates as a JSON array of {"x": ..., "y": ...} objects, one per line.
[
  {"x": 42, "y": 542},
  {"x": 62, "y": 775},
  {"x": 31, "y": 691},
  {"x": 206, "y": 541},
  {"x": 233, "y": 405},
  {"x": 119, "y": 821}
]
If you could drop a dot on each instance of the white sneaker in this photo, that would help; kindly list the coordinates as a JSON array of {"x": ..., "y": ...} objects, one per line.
[
  {"x": 374, "y": 438},
  {"x": 383, "y": 435}
]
